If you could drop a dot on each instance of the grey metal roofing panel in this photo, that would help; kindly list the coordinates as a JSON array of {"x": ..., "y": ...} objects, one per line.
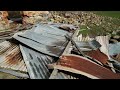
[
  {"x": 50, "y": 50},
  {"x": 36, "y": 63},
  {"x": 44, "y": 28},
  {"x": 46, "y": 44},
  {"x": 15, "y": 73},
  {"x": 11, "y": 58},
  {"x": 45, "y": 40},
  {"x": 88, "y": 45}
]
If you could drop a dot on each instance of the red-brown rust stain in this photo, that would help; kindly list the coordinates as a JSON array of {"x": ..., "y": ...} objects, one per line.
[
  {"x": 14, "y": 57},
  {"x": 81, "y": 64},
  {"x": 96, "y": 54}
]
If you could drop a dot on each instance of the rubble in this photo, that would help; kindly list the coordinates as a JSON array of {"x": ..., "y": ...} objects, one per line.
[
  {"x": 56, "y": 51},
  {"x": 80, "y": 65},
  {"x": 32, "y": 17},
  {"x": 4, "y": 23}
]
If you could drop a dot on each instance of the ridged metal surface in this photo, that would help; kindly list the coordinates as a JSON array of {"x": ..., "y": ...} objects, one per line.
[
  {"x": 36, "y": 63},
  {"x": 103, "y": 40},
  {"x": 80, "y": 65},
  {"x": 98, "y": 55},
  {"x": 44, "y": 28},
  {"x": 45, "y": 39},
  {"x": 10, "y": 57}
]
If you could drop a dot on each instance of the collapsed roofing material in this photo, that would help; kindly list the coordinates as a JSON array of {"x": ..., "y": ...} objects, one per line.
[
  {"x": 96, "y": 54},
  {"x": 7, "y": 34},
  {"x": 104, "y": 41},
  {"x": 60, "y": 74},
  {"x": 14, "y": 73},
  {"x": 88, "y": 46},
  {"x": 116, "y": 64},
  {"x": 36, "y": 63},
  {"x": 83, "y": 66},
  {"x": 10, "y": 57},
  {"x": 46, "y": 44}
]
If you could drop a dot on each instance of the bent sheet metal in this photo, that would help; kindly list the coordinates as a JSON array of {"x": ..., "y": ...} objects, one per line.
[
  {"x": 45, "y": 44},
  {"x": 36, "y": 63},
  {"x": 11, "y": 57},
  {"x": 80, "y": 65}
]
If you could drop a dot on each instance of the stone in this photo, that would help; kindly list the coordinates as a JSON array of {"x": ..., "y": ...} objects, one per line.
[
  {"x": 32, "y": 17},
  {"x": 4, "y": 23},
  {"x": 113, "y": 41},
  {"x": 116, "y": 37}
]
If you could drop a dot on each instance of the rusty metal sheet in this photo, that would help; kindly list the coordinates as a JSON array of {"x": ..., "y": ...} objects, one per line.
[
  {"x": 11, "y": 57},
  {"x": 36, "y": 63},
  {"x": 83, "y": 66},
  {"x": 98, "y": 55}
]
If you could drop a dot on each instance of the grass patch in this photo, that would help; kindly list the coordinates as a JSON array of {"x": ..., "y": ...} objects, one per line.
[{"x": 114, "y": 14}]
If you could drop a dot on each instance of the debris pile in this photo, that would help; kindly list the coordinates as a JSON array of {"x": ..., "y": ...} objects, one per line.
[
  {"x": 31, "y": 17},
  {"x": 56, "y": 51},
  {"x": 4, "y": 23}
]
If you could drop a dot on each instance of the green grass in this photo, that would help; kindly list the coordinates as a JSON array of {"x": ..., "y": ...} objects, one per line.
[{"x": 114, "y": 14}]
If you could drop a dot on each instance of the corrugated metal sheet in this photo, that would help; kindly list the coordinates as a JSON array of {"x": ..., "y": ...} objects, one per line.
[
  {"x": 50, "y": 29},
  {"x": 46, "y": 49},
  {"x": 83, "y": 66},
  {"x": 36, "y": 63},
  {"x": 14, "y": 73},
  {"x": 88, "y": 45},
  {"x": 49, "y": 40},
  {"x": 10, "y": 57},
  {"x": 58, "y": 74},
  {"x": 98, "y": 55},
  {"x": 104, "y": 41}
]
